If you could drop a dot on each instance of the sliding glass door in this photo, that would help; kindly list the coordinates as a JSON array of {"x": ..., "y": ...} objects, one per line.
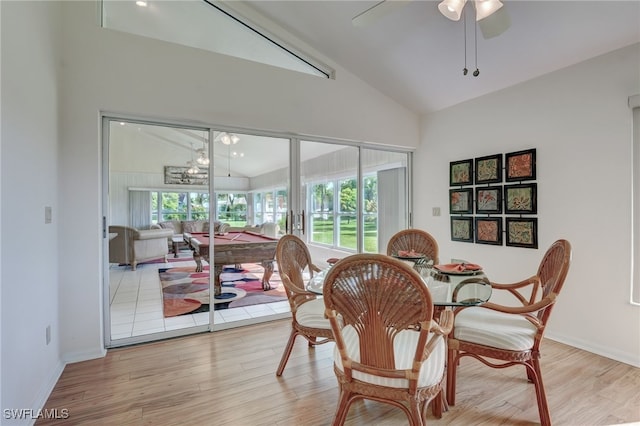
[
  {"x": 164, "y": 181},
  {"x": 354, "y": 197}
]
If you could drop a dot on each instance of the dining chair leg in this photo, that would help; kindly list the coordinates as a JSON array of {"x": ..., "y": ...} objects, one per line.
[
  {"x": 287, "y": 352},
  {"x": 343, "y": 407},
  {"x": 543, "y": 407},
  {"x": 437, "y": 404},
  {"x": 415, "y": 416},
  {"x": 452, "y": 366}
]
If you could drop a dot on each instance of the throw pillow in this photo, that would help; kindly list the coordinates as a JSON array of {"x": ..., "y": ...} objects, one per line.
[
  {"x": 189, "y": 226},
  {"x": 166, "y": 225}
]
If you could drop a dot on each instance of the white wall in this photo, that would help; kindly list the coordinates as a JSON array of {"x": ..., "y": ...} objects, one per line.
[
  {"x": 576, "y": 117},
  {"x": 110, "y": 71},
  {"x": 579, "y": 122},
  {"x": 29, "y": 176}
]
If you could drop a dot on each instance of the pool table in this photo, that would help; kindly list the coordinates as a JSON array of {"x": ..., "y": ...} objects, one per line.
[{"x": 232, "y": 248}]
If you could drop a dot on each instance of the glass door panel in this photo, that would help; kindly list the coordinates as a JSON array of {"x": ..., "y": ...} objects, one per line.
[
  {"x": 329, "y": 198},
  {"x": 251, "y": 179},
  {"x": 153, "y": 180},
  {"x": 385, "y": 196},
  {"x": 355, "y": 197}
]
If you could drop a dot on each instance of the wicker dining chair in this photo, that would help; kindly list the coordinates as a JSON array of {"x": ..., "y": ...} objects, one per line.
[
  {"x": 307, "y": 310},
  {"x": 388, "y": 347},
  {"x": 502, "y": 336},
  {"x": 414, "y": 239}
]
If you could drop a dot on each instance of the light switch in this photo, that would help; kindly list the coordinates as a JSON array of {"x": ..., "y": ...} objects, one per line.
[
  {"x": 436, "y": 211},
  {"x": 47, "y": 214}
]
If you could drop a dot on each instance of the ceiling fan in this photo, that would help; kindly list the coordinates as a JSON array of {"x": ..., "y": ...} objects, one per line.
[{"x": 491, "y": 16}]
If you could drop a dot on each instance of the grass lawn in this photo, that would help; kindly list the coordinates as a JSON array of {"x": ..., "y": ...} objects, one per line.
[{"x": 323, "y": 233}]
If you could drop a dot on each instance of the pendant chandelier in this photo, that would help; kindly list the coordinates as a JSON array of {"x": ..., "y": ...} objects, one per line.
[
  {"x": 192, "y": 165},
  {"x": 229, "y": 139},
  {"x": 203, "y": 156}
]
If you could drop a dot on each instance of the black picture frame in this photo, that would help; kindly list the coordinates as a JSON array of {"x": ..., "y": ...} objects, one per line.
[
  {"x": 521, "y": 198},
  {"x": 488, "y": 200},
  {"x": 462, "y": 228},
  {"x": 461, "y": 173},
  {"x": 520, "y": 165},
  {"x": 461, "y": 201},
  {"x": 522, "y": 232},
  {"x": 488, "y": 230},
  {"x": 488, "y": 169}
]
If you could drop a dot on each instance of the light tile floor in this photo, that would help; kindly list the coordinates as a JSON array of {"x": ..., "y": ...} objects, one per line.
[{"x": 136, "y": 305}]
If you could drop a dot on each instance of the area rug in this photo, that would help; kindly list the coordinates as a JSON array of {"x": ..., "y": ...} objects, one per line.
[{"x": 185, "y": 291}]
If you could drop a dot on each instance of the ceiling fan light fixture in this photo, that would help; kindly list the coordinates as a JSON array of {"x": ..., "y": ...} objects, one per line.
[
  {"x": 486, "y": 8},
  {"x": 229, "y": 138},
  {"x": 452, "y": 9}
]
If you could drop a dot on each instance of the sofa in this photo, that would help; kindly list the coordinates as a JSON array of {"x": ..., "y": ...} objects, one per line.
[
  {"x": 130, "y": 246},
  {"x": 181, "y": 226}
]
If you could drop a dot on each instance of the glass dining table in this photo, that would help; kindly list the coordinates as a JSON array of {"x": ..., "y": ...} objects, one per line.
[{"x": 450, "y": 285}]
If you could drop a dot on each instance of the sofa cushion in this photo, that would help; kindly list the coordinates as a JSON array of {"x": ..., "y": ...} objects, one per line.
[
  {"x": 151, "y": 234},
  {"x": 193, "y": 225},
  {"x": 167, "y": 225},
  {"x": 205, "y": 227}
]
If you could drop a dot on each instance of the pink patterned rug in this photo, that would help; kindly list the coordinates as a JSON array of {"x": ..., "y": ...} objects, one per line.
[{"x": 186, "y": 291}]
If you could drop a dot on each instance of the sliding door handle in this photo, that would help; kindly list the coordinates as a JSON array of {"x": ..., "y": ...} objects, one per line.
[{"x": 303, "y": 222}]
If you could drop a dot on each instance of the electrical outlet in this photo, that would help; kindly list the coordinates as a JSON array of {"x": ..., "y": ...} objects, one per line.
[
  {"x": 48, "y": 334},
  {"x": 47, "y": 214},
  {"x": 436, "y": 211}
]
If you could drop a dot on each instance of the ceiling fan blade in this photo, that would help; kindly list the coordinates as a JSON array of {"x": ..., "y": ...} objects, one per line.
[
  {"x": 377, "y": 11},
  {"x": 495, "y": 24}
]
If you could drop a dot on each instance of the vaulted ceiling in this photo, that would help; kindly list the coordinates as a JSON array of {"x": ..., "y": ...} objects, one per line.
[{"x": 416, "y": 56}]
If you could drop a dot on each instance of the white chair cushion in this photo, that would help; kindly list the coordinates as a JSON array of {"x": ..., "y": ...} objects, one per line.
[
  {"x": 404, "y": 348},
  {"x": 495, "y": 329},
  {"x": 311, "y": 314}
]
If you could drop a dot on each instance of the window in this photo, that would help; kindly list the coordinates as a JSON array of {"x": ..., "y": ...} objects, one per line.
[
  {"x": 370, "y": 214},
  {"x": 199, "y": 205},
  {"x": 213, "y": 27},
  {"x": 321, "y": 221},
  {"x": 347, "y": 207},
  {"x": 231, "y": 208},
  {"x": 333, "y": 216},
  {"x": 270, "y": 206},
  {"x": 179, "y": 206}
]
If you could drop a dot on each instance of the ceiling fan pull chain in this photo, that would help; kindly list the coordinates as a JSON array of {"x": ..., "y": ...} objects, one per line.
[
  {"x": 477, "y": 71},
  {"x": 464, "y": 24}
]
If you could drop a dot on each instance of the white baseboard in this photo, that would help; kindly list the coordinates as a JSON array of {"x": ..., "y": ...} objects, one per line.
[
  {"x": 605, "y": 351},
  {"x": 72, "y": 357},
  {"x": 42, "y": 396}
]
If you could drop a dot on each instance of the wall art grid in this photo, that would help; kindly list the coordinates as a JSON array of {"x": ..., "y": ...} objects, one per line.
[{"x": 478, "y": 188}]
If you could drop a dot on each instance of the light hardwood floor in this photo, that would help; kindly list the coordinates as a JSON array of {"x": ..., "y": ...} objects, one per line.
[{"x": 228, "y": 378}]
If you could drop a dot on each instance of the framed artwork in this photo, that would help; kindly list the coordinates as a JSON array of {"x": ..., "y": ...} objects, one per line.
[
  {"x": 520, "y": 165},
  {"x": 489, "y": 200},
  {"x": 489, "y": 230},
  {"x": 488, "y": 169},
  {"x": 177, "y": 175},
  {"x": 520, "y": 199},
  {"x": 461, "y": 201},
  {"x": 461, "y": 173},
  {"x": 462, "y": 228},
  {"x": 522, "y": 232}
]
